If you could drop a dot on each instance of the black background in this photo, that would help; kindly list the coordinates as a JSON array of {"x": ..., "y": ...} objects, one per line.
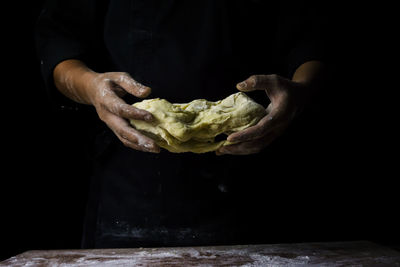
[{"x": 343, "y": 143}]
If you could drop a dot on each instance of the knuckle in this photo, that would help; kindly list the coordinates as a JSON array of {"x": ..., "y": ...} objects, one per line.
[
  {"x": 125, "y": 110},
  {"x": 102, "y": 102},
  {"x": 120, "y": 133},
  {"x": 101, "y": 77},
  {"x": 123, "y": 76},
  {"x": 275, "y": 79},
  {"x": 132, "y": 146},
  {"x": 128, "y": 135},
  {"x": 114, "y": 108},
  {"x": 126, "y": 141},
  {"x": 142, "y": 115},
  {"x": 273, "y": 76},
  {"x": 254, "y": 80}
]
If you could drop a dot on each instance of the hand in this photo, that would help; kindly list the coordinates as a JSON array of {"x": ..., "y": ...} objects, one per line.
[
  {"x": 105, "y": 92},
  {"x": 287, "y": 99}
]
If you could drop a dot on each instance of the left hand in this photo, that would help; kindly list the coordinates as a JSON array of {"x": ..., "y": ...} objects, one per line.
[{"x": 287, "y": 100}]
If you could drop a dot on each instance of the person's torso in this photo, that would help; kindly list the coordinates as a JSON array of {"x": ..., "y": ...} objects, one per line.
[{"x": 183, "y": 50}]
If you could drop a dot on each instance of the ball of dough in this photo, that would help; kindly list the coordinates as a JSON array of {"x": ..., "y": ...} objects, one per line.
[{"x": 192, "y": 127}]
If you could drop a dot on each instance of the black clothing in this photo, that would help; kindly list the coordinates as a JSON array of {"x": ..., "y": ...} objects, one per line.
[{"x": 183, "y": 50}]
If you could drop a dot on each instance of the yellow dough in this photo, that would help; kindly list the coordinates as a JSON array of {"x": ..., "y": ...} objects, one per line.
[{"x": 192, "y": 127}]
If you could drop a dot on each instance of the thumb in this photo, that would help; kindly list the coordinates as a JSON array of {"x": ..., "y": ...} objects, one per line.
[
  {"x": 259, "y": 82},
  {"x": 126, "y": 82}
]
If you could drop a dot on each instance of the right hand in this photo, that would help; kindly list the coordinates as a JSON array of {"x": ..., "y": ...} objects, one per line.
[{"x": 105, "y": 91}]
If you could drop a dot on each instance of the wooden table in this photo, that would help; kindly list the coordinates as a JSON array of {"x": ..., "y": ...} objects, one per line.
[{"x": 360, "y": 253}]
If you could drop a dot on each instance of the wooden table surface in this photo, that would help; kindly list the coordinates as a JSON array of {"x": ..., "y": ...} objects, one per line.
[{"x": 359, "y": 253}]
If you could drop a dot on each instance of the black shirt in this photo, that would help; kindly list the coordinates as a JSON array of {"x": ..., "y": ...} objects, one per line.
[{"x": 183, "y": 50}]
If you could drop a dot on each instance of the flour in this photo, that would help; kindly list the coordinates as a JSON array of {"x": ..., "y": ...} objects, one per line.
[{"x": 311, "y": 254}]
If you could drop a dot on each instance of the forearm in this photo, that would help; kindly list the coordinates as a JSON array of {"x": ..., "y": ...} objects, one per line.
[
  {"x": 310, "y": 73},
  {"x": 310, "y": 76},
  {"x": 71, "y": 77}
]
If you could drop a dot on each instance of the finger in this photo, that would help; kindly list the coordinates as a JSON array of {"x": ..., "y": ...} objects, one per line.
[
  {"x": 129, "y": 136},
  {"x": 129, "y": 144},
  {"x": 125, "y": 81},
  {"x": 250, "y": 147},
  {"x": 239, "y": 149},
  {"x": 259, "y": 82},
  {"x": 246, "y": 148},
  {"x": 117, "y": 106},
  {"x": 265, "y": 125}
]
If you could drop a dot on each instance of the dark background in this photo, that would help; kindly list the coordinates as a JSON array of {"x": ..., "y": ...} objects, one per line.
[{"x": 341, "y": 147}]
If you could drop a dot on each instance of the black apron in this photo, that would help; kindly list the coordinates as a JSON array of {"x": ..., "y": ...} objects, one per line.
[{"x": 183, "y": 50}]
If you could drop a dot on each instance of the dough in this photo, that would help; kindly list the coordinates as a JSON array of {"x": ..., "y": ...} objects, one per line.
[{"x": 192, "y": 127}]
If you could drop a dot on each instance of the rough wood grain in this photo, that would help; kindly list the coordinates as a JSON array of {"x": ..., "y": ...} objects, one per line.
[{"x": 360, "y": 253}]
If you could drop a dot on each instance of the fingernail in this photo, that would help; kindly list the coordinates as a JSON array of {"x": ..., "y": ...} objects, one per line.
[
  {"x": 142, "y": 88},
  {"x": 148, "y": 117},
  {"x": 151, "y": 148},
  {"x": 231, "y": 139},
  {"x": 242, "y": 85},
  {"x": 148, "y": 146},
  {"x": 222, "y": 150}
]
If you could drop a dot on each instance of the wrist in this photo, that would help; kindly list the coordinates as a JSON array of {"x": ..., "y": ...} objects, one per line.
[
  {"x": 309, "y": 77},
  {"x": 309, "y": 73},
  {"x": 73, "y": 78},
  {"x": 85, "y": 78}
]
